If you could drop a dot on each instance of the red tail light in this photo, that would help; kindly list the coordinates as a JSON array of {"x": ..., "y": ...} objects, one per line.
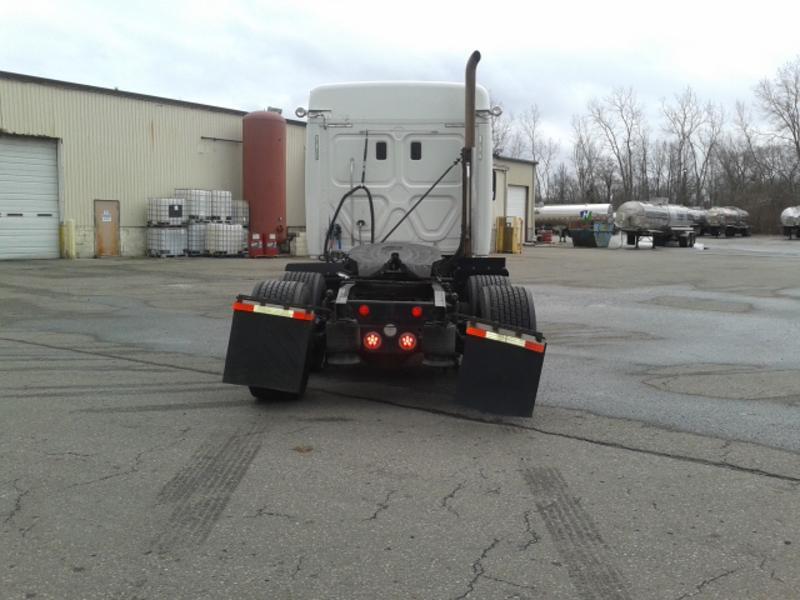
[
  {"x": 363, "y": 310},
  {"x": 407, "y": 342},
  {"x": 373, "y": 340},
  {"x": 416, "y": 312}
]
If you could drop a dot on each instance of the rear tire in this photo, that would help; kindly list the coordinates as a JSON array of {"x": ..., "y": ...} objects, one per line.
[
  {"x": 474, "y": 285},
  {"x": 284, "y": 293},
  {"x": 509, "y": 305},
  {"x": 314, "y": 281}
]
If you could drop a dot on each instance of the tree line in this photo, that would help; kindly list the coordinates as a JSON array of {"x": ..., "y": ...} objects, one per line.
[{"x": 697, "y": 155}]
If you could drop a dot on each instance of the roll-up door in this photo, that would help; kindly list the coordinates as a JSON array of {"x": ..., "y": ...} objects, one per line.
[
  {"x": 517, "y": 202},
  {"x": 28, "y": 198}
]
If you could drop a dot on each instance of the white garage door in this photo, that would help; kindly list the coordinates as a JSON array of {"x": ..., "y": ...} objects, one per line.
[
  {"x": 516, "y": 202},
  {"x": 28, "y": 198}
]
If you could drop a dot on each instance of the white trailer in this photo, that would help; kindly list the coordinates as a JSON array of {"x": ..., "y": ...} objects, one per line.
[{"x": 412, "y": 131}]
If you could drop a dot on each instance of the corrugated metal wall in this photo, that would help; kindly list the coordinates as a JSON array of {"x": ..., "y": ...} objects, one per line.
[{"x": 124, "y": 149}]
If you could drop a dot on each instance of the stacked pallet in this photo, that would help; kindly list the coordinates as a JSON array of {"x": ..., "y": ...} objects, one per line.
[
  {"x": 198, "y": 223},
  {"x": 225, "y": 239},
  {"x": 166, "y": 227},
  {"x": 166, "y": 241}
]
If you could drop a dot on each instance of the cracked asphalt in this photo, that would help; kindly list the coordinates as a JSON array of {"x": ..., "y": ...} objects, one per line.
[{"x": 661, "y": 460}]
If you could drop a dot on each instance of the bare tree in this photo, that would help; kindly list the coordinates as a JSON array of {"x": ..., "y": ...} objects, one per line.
[
  {"x": 585, "y": 156},
  {"x": 659, "y": 159},
  {"x": 704, "y": 147},
  {"x": 619, "y": 119},
  {"x": 543, "y": 150},
  {"x": 607, "y": 171},
  {"x": 515, "y": 145},
  {"x": 780, "y": 102},
  {"x": 683, "y": 119},
  {"x": 502, "y": 129}
]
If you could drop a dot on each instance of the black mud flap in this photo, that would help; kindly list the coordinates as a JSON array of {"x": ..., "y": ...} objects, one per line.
[
  {"x": 500, "y": 370},
  {"x": 269, "y": 347}
]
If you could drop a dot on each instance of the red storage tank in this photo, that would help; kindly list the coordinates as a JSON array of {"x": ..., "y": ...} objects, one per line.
[{"x": 264, "y": 180}]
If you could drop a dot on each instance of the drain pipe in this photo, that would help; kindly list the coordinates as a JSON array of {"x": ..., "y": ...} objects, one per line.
[{"x": 465, "y": 247}]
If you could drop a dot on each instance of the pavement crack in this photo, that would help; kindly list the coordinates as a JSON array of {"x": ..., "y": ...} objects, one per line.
[
  {"x": 568, "y": 436},
  {"x": 477, "y": 570},
  {"x": 382, "y": 506},
  {"x": 699, "y": 587},
  {"x": 263, "y": 512},
  {"x": 507, "y": 582},
  {"x": 297, "y": 567},
  {"x": 445, "y": 503},
  {"x": 533, "y": 537},
  {"x": 129, "y": 471},
  {"x": 75, "y": 454},
  {"x": 21, "y": 493}
]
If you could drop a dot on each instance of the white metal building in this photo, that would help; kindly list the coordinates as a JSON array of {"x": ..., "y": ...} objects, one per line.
[{"x": 72, "y": 155}]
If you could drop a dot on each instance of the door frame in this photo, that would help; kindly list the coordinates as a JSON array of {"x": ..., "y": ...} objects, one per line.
[{"x": 119, "y": 218}]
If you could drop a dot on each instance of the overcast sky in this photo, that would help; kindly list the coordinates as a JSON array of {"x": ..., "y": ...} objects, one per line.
[{"x": 251, "y": 54}]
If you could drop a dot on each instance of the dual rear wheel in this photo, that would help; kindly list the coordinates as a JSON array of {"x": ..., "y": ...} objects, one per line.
[{"x": 493, "y": 298}]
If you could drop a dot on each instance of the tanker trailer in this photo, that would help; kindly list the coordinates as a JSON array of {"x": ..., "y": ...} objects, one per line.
[
  {"x": 661, "y": 223},
  {"x": 790, "y": 219},
  {"x": 589, "y": 225},
  {"x": 740, "y": 224},
  {"x": 727, "y": 221},
  {"x": 697, "y": 217}
]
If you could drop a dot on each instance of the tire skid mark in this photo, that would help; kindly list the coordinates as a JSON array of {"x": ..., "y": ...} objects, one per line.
[
  {"x": 202, "y": 489},
  {"x": 588, "y": 558}
]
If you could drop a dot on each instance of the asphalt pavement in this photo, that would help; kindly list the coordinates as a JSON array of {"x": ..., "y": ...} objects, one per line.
[{"x": 661, "y": 460}]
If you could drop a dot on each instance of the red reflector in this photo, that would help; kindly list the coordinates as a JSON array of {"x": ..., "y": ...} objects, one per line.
[
  {"x": 303, "y": 316},
  {"x": 372, "y": 340},
  {"x": 363, "y": 310},
  {"x": 407, "y": 341},
  {"x": 416, "y": 312}
]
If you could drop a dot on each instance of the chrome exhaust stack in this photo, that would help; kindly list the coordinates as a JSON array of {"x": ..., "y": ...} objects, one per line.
[{"x": 465, "y": 247}]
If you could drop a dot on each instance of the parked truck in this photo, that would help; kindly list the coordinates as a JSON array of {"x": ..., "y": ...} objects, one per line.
[
  {"x": 409, "y": 281},
  {"x": 661, "y": 223},
  {"x": 790, "y": 220}
]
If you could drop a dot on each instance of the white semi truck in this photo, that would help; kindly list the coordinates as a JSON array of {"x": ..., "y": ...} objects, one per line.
[{"x": 403, "y": 275}]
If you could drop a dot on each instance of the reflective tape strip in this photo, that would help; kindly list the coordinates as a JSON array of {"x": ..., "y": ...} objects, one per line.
[
  {"x": 506, "y": 339},
  {"x": 275, "y": 311}
]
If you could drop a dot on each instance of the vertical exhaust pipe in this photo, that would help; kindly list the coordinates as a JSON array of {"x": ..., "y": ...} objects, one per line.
[{"x": 465, "y": 247}]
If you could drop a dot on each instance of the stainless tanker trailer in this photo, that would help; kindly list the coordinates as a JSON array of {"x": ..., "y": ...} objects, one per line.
[
  {"x": 561, "y": 215},
  {"x": 589, "y": 225},
  {"x": 661, "y": 223},
  {"x": 790, "y": 219},
  {"x": 727, "y": 221}
]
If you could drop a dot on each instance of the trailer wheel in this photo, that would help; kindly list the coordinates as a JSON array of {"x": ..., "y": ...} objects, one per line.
[
  {"x": 282, "y": 292},
  {"x": 510, "y": 305},
  {"x": 474, "y": 285},
  {"x": 315, "y": 282}
]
